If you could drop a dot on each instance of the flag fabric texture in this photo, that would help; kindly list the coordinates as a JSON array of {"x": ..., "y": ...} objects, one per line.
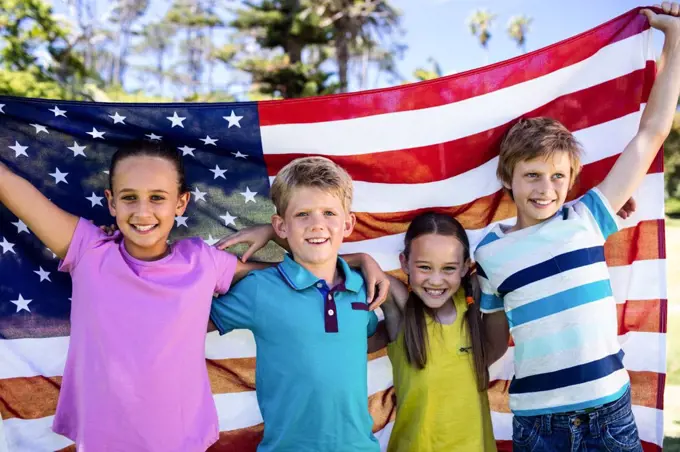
[{"x": 424, "y": 146}]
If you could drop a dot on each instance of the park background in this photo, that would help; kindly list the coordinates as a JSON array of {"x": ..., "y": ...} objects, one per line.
[{"x": 228, "y": 50}]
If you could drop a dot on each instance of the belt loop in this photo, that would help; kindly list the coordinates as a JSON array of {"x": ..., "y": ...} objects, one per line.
[
  {"x": 546, "y": 421},
  {"x": 594, "y": 423}
]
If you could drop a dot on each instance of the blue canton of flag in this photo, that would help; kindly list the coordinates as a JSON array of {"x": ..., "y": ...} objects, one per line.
[{"x": 64, "y": 149}]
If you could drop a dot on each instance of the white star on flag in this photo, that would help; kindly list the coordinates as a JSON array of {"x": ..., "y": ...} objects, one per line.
[
  {"x": 19, "y": 149},
  {"x": 210, "y": 240},
  {"x": 39, "y": 128},
  {"x": 95, "y": 200},
  {"x": 228, "y": 219},
  {"x": 44, "y": 275},
  {"x": 58, "y": 112},
  {"x": 118, "y": 119},
  {"x": 238, "y": 155},
  {"x": 176, "y": 120},
  {"x": 21, "y": 303},
  {"x": 153, "y": 137},
  {"x": 1, "y": 108},
  {"x": 181, "y": 221},
  {"x": 96, "y": 133},
  {"x": 207, "y": 140},
  {"x": 59, "y": 176},
  {"x": 186, "y": 150},
  {"x": 78, "y": 149},
  {"x": 249, "y": 195},
  {"x": 21, "y": 227},
  {"x": 54, "y": 256},
  {"x": 218, "y": 172},
  {"x": 198, "y": 194},
  {"x": 7, "y": 246},
  {"x": 233, "y": 120}
]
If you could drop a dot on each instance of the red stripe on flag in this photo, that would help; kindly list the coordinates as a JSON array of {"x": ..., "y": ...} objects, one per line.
[
  {"x": 456, "y": 87},
  {"x": 602, "y": 103}
]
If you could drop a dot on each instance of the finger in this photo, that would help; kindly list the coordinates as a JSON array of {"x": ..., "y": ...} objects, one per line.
[
  {"x": 370, "y": 291},
  {"x": 226, "y": 242},
  {"x": 633, "y": 205},
  {"x": 383, "y": 291},
  {"x": 249, "y": 252},
  {"x": 649, "y": 14},
  {"x": 675, "y": 8},
  {"x": 666, "y": 7}
]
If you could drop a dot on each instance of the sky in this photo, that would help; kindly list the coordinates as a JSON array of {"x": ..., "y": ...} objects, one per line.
[{"x": 437, "y": 29}]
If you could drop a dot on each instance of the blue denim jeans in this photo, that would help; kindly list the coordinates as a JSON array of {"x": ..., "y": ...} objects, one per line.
[{"x": 608, "y": 428}]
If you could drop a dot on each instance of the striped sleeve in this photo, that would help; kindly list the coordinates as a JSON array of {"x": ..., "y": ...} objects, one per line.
[
  {"x": 595, "y": 205},
  {"x": 490, "y": 301}
]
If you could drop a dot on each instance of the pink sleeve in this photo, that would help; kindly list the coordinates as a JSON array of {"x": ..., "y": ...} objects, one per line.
[
  {"x": 225, "y": 267},
  {"x": 84, "y": 237}
]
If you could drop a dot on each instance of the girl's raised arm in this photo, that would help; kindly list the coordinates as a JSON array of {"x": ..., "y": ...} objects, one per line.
[{"x": 53, "y": 226}]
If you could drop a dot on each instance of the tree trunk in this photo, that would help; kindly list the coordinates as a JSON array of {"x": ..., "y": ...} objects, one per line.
[{"x": 342, "y": 52}]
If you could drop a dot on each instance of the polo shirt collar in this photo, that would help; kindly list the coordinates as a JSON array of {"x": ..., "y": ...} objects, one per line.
[{"x": 299, "y": 278}]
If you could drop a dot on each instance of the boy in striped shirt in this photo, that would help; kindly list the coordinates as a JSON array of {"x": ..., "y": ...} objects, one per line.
[{"x": 545, "y": 279}]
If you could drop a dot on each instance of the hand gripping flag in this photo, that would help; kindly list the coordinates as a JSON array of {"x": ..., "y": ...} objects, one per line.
[{"x": 410, "y": 148}]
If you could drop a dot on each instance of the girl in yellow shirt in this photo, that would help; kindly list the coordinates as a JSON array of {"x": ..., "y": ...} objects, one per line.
[{"x": 437, "y": 349}]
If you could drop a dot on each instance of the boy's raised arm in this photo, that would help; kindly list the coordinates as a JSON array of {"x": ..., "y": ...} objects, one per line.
[
  {"x": 53, "y": 226},
  {"x": 657, "y": 119}
]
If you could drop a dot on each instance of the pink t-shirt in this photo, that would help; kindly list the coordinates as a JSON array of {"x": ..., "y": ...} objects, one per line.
[{"x": 135, "y": 377}]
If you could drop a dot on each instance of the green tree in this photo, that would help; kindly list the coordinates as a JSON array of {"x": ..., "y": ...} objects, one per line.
[
  {"x": 195, "y": 18},
  {"x": 156, "y": 40},
  {"x": 672, "y": 160},
  {"x": 358, "y": 27},
  {"x": 36, "y": 56},
  {"x": 124, "y": 14},
  {"x": 422, "y": 74},
  {"x": 518, "y": 27},
  {"x": 291, "y": 48},
  {"x": 480, "y": 23}
]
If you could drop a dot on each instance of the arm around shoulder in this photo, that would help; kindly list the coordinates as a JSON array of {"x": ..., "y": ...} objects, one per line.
[{"x": 51, "y": 224}]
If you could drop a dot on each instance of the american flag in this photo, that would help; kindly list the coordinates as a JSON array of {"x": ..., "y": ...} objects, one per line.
[{"x": 430, "y": 145}]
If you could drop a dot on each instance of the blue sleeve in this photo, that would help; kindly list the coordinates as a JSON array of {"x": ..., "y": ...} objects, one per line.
[
  {"x": 490, "y": 301},
  {"x": 372, "y": 323},
  {"x": 601, "y": 212},
  {"x": 236, "y": 308}
]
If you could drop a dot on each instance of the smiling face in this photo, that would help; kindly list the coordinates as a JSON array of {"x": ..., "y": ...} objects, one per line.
[
  {"x": 540, "y": 186},
  {"x": 314, "y": 224},
  {"x": 436, "y": 266},
  {"x": 145, "y": 200}
]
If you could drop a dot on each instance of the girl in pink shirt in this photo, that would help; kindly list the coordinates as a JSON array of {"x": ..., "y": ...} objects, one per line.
[{"x": 135, "y": 377}]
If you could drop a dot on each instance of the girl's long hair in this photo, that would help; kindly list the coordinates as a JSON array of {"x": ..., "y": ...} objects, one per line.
[{"x": 416, "y": 313}]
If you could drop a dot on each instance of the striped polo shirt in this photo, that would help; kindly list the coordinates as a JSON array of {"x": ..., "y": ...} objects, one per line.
[{"x": 552, "y": 281}]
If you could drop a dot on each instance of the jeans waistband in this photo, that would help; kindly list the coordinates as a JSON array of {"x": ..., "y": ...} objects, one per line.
[{"x": 611, "y": 410}]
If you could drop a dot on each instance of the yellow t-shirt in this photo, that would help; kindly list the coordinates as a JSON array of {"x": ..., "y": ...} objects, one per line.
[{"x": 439, "y": 408}]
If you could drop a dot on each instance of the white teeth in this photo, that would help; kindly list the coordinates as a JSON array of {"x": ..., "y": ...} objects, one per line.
[
  {"x": 144, "y": 228},
  {"x": 435, "y": 292},
  {"x": 316, "y": 240},
  {"x": 542, "y": 203}
]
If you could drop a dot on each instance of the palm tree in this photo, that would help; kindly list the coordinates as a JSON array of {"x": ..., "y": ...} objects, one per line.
[
  {"x": 518, "y": 27},
  {"x": 480, "y": 22},
  {"x": 355, "y": 23}
]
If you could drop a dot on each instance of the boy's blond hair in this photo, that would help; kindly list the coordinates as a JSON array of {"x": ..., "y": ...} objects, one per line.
[
  {"x": 537, "y": 137},
  {"x": 317, "y": 172}
]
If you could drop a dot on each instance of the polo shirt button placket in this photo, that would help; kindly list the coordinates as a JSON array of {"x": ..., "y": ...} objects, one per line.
[{"x": 330, "y": 319}]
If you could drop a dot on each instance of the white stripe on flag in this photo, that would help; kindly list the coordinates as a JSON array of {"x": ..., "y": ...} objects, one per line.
[
  {"x": 440, "y": 124},
  {"x": 34, "y": 435},
  {"x": 3, "y": 439}
]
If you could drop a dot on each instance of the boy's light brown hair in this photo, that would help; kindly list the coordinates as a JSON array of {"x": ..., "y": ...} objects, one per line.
[
  {"x": 537, "y": 137},
  {"x": 317, "y": 172}
]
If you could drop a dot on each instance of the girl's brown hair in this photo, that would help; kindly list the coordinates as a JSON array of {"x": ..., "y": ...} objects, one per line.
[{"x": 416, "y": 312}]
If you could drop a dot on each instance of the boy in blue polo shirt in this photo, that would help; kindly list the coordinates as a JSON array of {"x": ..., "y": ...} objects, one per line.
[
  {"x": 310, "y": 319},
  {"x": 546, "y": 279}
]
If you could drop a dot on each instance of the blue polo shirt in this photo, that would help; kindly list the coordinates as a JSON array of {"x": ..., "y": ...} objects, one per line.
[{"x": 311, "y": 368}]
